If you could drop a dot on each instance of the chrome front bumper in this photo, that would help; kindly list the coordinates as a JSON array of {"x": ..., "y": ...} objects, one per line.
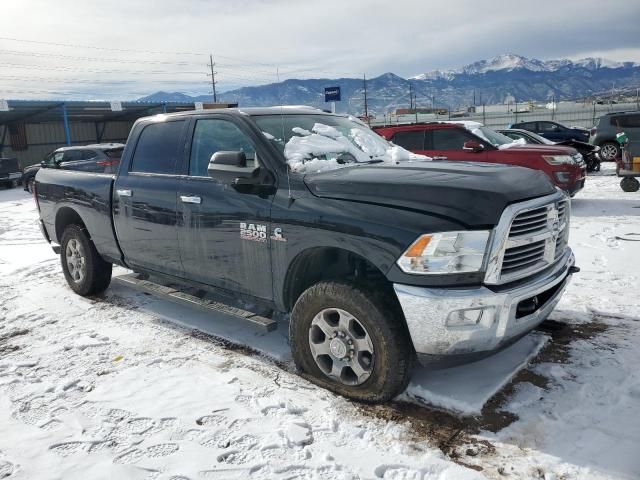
[{"x": 467, "y": 321}]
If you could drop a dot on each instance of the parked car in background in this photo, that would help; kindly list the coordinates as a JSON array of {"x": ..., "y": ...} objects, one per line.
[
  {"x": 10, "y": 172},
  {"x": 472, "y": 141},
  {"x": 603, "y": 134},
  {"x": 589, "y": 152},
  {"x": 97, "y": 158},
  {"x": 554, "y": 131}
]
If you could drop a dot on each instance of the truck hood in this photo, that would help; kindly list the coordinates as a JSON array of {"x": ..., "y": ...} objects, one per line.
[{"x": 473, "y": 194}]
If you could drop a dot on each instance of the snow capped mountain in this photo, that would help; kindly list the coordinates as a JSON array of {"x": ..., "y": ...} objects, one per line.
[
  {"x": 511, "y": 61},
  {"x": 504, "y": 78}
]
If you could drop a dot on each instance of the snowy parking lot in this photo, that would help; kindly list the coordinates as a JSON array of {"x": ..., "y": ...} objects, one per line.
[{"x": 127, "y": 385}]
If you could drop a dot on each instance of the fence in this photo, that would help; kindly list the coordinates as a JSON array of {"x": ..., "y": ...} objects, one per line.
[{"x": 500, "y": 116}]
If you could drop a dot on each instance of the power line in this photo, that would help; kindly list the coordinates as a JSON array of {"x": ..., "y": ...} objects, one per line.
[{"x": 94, "y": 47}]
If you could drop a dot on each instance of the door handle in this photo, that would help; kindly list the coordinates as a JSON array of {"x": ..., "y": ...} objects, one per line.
[
  {"x": 124, "y": 193},
  {"x": 189, "y": 199}
]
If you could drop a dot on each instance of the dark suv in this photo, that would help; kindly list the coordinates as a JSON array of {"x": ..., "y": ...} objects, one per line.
[
  {"x": 98, "y": 158},
  {"x": 604, "y": 133},
  {"x": 554, "y": 131}
]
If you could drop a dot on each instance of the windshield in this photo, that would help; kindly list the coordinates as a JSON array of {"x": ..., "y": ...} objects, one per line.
[
  {"x": 494, "y": 138},
  {"x": 540, "y": 139},
  {"x": 317, "y": 142}
]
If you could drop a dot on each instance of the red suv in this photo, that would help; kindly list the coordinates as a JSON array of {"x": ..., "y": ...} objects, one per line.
[{"x": 472, "y": 141}]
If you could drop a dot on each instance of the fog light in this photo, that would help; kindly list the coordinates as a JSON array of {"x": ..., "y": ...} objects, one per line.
[
  {"x": 562, "y": 177},
  {"x": 461, "y": 318}
]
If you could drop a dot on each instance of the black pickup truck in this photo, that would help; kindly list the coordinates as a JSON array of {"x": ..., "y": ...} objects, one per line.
[{"x": 380, "y": 256}]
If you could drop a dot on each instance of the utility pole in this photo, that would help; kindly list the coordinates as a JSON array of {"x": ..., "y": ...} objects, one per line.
[
  {"x": 410, "y": 96},
  {"x": 366, "y": 108},
  {"x": 474, "y": 97},
  {"x": 213, "y": 78}
]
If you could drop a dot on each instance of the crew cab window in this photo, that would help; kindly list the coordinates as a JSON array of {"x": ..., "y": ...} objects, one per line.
[
  {"x": 213, "y": 135},
  {"x": 158, "y": 148},
  {"x": 448, "y": 139},
  {"x": 410, "y": 140},
  {"x": 527, "y": 126}
]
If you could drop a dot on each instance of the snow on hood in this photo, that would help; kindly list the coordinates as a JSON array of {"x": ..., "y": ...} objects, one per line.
[{"x": 322, "y": 149}]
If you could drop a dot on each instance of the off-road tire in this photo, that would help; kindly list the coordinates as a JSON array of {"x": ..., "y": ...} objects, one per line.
[
  {"x": 610, "y": 146},
  {"x": 381, "y": 316},
  {"x": 97, "y": 275},
  {"x": 630, "y": 184}
]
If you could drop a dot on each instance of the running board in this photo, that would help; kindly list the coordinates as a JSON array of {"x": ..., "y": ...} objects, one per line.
[{"x": 170, "y": 293}]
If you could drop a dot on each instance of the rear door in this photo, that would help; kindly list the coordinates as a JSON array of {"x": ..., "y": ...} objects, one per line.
[
  {"x": 447, "y": 144},
  {"x": 224, "y": 234},
  {"x": 144, "y": 205}
]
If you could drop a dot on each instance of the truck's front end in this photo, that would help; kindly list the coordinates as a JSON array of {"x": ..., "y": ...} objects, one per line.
[{"x": 527, "y": 264}]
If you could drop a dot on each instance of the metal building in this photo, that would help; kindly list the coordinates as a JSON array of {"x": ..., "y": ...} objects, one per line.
[{"x": 29, "y": 129}]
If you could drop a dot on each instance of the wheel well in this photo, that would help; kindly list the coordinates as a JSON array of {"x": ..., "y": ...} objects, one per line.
[
  {"x": 329, "y": 263},
  {"x": 66, "y": 216}
]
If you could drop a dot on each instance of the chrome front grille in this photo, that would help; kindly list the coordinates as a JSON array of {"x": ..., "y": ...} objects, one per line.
[{"x": 530, "y": 237}]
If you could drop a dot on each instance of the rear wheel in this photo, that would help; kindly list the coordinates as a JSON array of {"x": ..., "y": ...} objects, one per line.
[
  {"x": 630, "y": 184},
  {"x": 609, "y": 151},
  {"x": 84, "y": 269},
  {"x": 351, "y": 341}
]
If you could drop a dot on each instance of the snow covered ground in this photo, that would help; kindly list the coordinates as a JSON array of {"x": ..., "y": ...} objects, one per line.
[{"x": 130, "y": 386}]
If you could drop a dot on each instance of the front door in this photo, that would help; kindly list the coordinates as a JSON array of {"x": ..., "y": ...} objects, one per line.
[
  {"x": 224, "y": 234},
  {"x": 145, "y": 199},
  {"x": 448, "y": 143}
]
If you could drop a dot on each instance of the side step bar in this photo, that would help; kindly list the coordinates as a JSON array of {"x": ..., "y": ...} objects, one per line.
[{"x": 170, "y": 293}]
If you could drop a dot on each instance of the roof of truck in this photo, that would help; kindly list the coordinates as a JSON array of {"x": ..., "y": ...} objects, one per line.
[{"x": 252, "y": 111}]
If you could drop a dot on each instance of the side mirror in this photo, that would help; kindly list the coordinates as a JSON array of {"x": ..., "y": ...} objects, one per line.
[
  {"x": 228, "y": 163},
  {"x": 473, "y": 146},
  {"x": 233, "y": 159},
  {"x": 43, "y": 164}
]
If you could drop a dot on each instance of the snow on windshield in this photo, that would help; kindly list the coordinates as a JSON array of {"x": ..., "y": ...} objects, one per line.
[{"x": 326, "y": 148}]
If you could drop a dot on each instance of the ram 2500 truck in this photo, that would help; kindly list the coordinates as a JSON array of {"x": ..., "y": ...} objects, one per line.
[{"x": 380, "y": 256}]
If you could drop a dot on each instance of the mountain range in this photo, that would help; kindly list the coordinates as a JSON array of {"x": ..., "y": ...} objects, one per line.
[{"x": 504, "y": 78}]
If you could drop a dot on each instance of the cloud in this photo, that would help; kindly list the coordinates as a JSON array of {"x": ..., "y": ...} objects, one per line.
[{"x": 251, "y": 38}]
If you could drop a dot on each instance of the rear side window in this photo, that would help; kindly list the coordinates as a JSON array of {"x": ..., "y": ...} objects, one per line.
[
  {"x": 88, "y": 154},
  {"x": 114, "y": 153},
  {"x": 158, "y": 148},
  {"x": 448, "y": 139},
  {"x": 531, "y": 126},
  {"x": 213, "y": 135},
  {"x": 410, "y": 140},
  {"x": 626, "y": 121}
]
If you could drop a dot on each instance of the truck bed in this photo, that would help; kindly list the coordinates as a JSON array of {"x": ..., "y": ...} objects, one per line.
[{"x": 90, "y": 195}]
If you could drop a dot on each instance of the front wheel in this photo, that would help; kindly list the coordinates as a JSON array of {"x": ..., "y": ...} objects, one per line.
[
  {"x": 84, "y": 269},
  {"x": 351, "y": 341}
]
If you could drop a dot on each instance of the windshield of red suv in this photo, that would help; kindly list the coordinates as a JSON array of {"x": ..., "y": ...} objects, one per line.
[{"x": 494, "y": 138}]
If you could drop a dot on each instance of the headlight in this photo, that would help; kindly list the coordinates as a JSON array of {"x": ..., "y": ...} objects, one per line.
[
  {"x": 558, "y": 159},
  {"x": 449, "y": 252}
]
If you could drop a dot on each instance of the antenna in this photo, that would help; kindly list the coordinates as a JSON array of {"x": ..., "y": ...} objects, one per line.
[
  {"x": 283, "y": 134},
  {"x": 366, "y": 109}
]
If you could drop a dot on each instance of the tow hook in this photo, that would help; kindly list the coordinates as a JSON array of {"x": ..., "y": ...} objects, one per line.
[{"x": 574, "y": 269}]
